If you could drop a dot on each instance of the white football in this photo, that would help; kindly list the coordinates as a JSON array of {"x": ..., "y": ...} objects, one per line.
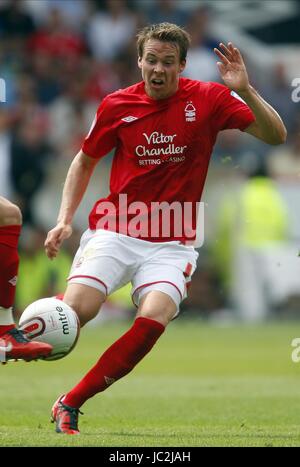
[{"x": 52, "y": 321}]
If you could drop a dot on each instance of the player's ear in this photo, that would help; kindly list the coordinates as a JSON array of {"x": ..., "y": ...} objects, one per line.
[
  {"x": 140, "y": 62},
  {"x": 182, "y": 66}
]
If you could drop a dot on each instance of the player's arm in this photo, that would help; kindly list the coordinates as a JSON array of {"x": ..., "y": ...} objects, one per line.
[
  {"x": 268, "y": 125},
  {"x": 76, "y": 183}
]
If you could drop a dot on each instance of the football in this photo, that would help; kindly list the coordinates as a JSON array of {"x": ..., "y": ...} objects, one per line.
[{"x": 52, "y": 321}]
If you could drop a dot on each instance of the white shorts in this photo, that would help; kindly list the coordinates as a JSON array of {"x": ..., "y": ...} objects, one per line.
[{"x": 108, "y": 260}]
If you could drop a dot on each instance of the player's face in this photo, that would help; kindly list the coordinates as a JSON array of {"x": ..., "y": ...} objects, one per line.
[{"x": 161, "y": 66}]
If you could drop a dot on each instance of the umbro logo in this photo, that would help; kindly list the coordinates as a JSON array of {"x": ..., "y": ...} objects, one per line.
[
  {"x": 109, "y": 381},
  {"x": 234, "y": 94},
  {"x": 13, "y": 281},
  {"x": 129, "y": 119}
]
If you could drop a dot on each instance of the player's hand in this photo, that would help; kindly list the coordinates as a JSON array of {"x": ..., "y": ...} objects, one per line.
[
  {"x": 232, "y": 67},
  {"x": 55, "y": 238}
]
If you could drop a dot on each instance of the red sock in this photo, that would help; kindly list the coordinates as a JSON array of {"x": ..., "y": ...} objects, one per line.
[
  {"x": 9, "y": 237},
  {"x": 117, "y": 361}
]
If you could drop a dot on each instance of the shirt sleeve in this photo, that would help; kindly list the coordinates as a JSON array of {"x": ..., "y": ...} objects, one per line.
[
  {"x": 102, "y": 137},
  {"x": 229, "y": 110}
]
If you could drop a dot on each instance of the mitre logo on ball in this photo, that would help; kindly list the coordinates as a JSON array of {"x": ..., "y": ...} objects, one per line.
[{"x": 52, "y": 321}]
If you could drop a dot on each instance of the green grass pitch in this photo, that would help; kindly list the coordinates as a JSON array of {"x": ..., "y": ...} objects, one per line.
[{"x": 202, "y": 385}]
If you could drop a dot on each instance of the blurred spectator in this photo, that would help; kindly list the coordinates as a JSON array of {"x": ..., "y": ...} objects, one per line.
[
  {"x": 16, "y": 26},
  {"x": 56, "y": 40},
  {"x": 14, "y": 21},
  {"x": 277, "y": 91},
  {"x": 201, "y": 60},
  {"x": 111, "y": 30},
  {"x": 27, "y": 108},
  {"x": 29, "y": 155},
  {"x": 253, "y": 232},
  {"x": 71, "y": 116},
  {"x": 48, "y": 85},
  {"x": 5, "y": 183},
  {"x": 167, "y": 11},
  {"x": 101, "y": 79},
  {"x": 74, "y": 12}
]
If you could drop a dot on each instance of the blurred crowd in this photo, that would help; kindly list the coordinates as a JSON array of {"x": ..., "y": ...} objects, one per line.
[{"x": 58, "y": 59}]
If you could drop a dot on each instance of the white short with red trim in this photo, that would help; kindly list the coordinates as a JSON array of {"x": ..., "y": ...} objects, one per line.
[{"x": 108, "y": 260}]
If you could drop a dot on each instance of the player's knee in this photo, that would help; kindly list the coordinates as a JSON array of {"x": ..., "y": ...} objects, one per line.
[
  {"x": 164, "y": 314},
  {"x": 85, "y": 301},
  {"x": 158, "y": 306},
  {"x": 10, "y": 214},
  {"x": 16, "y": 215}
]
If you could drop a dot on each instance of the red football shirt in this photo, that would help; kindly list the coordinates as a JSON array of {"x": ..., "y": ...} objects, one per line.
[{"x": 162, "y": 152}]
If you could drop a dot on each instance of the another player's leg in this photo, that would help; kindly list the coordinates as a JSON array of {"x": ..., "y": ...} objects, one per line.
[
  {"x": 118, "y": 360},
  {"x": 13, "y": 344}
]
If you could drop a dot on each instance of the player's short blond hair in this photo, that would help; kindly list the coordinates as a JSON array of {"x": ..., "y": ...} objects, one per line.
[{"x": 165, "y": 32}]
